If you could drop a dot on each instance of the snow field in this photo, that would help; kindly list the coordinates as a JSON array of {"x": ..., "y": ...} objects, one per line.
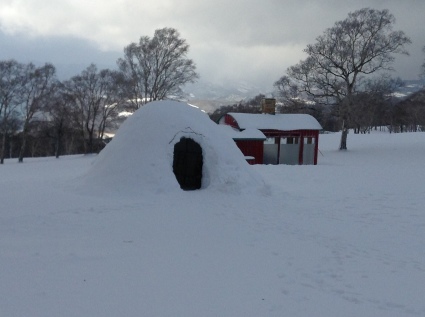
[{"x": 343, "y": 238}]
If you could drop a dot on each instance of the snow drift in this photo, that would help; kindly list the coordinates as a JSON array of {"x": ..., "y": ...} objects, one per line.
[{"x": 140, "y": 157}]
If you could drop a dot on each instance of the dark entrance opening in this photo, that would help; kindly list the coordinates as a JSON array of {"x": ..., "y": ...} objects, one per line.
[{"x": 187, "y": 164}]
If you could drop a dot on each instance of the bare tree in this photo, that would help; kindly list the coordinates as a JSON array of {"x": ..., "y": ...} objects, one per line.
[
  {"x": 11, "y": 87},
  {"x": 157, "y": 68},
  {"x": 114, "y": 98},
  {"x": 287, "y": 91},
  {"x": 362, "y": 44},
  {"x": 95, "y": 98},
  {"x": 59, "y": 111},
  {"x": 38, "y": 84}
]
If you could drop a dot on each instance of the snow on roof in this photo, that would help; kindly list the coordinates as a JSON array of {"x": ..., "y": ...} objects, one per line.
[
  {"x": 283, "y": 122},
  {"x": 248, "y": 134},
  {"x": 140, "y": 156}
]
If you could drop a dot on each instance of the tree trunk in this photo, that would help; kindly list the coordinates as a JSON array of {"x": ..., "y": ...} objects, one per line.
[
  {"x": 3, "y": 147},
  {"x": 57, "y": 146},
  {"x": 58, "y": 138},
  {"x": 22, "y": 150},
  {"x": 344, "y": 134},
  {"x": 89, "y": 143},
  {"x": 84, "y": 141},
  {"x": 10, "y": 148}
]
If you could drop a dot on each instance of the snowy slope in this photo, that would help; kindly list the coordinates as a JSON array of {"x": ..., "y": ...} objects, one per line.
[{"x": 343, "y": 238}]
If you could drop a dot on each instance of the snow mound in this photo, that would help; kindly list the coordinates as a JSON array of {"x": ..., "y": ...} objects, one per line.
[{"x": 140, "y": 157}]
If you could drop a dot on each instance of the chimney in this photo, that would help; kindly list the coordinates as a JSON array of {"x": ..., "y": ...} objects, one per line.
[{"x": 268, "y": 105}]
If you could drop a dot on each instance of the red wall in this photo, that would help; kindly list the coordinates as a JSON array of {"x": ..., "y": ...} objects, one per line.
[{"x": 252, "y": 148}]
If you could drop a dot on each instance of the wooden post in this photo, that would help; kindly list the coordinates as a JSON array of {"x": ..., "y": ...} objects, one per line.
[
  {"x": 301, "y": 150},
  {"x": 316, "y": 147}
]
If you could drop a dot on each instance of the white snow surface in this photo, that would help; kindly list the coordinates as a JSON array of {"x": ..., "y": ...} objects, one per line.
[
  {"x": 283, "y": 122},
  {"x": 343, "y": 238},
  {"x": 247, "y": 134}
]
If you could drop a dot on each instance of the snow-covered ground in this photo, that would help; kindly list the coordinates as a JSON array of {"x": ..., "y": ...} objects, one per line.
[{"x": 343, "y": 238}]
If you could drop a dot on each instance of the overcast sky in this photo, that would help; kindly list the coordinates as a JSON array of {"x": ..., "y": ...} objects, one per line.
[{"x": 250, "y": 40}]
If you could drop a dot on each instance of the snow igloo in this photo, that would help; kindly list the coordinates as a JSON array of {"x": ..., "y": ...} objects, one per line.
[{"x": 170, "y": 146}]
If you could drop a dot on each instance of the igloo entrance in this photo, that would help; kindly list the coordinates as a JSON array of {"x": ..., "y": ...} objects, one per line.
[{"x": 187, "y": 164}]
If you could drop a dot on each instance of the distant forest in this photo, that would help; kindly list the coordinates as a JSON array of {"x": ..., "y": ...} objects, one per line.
[{"x": 373, "y": 111}]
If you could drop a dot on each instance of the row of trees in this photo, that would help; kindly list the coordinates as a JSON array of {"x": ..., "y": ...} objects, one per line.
[
  {"x": 376, "y": 108},
  {"x": 40, "y": 115},
  {"x": 410, "y": 114}
]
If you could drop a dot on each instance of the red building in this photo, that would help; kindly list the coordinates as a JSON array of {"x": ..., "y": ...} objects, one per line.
[
  {"x": 250, "y": 142},
  {"x": 287, "y": 138}
]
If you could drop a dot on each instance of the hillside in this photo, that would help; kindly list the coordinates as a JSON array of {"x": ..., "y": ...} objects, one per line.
[{"x": 209, "y": 96}]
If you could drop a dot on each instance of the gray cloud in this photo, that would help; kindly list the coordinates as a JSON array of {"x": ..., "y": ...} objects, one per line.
[
  {"x": 247, "y": 40},
  {"x": 70, "y": 55}
]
